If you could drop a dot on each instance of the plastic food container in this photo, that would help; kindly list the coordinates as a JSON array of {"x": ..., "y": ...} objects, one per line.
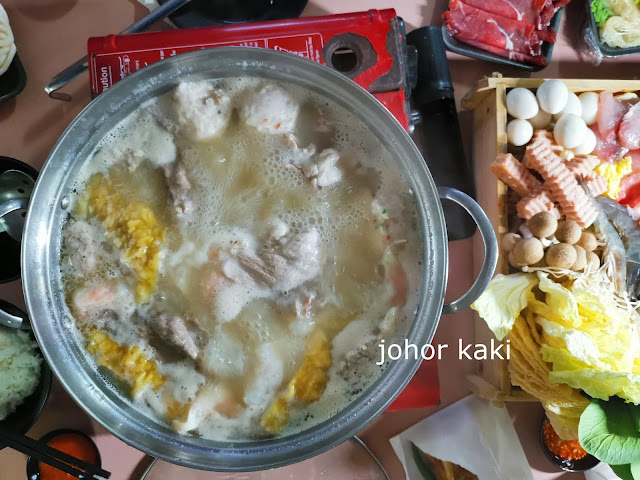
[
  {"x": 593, "y": 31},
  {"x": 467, "y": 50}
]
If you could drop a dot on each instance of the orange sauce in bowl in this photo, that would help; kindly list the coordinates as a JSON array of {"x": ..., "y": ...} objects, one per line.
[{"x": 74, "y": 445}]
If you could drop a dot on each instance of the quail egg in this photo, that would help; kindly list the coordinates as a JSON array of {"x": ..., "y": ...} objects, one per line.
[
  {"x": 588, "y": 144},
  {"x": 522, "y": 103},
  {"x": 552, "y": 96},
  {"x": 570, "y": 131},
  {"x": 541, "y": 120},
  {"x": 589, "y": 101},
  {"x": 573, "y": 106},
  {"x": 519, "y": 132}
]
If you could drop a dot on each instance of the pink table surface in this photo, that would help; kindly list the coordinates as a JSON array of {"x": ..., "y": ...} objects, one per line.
[{"x": 52, "y": 33}]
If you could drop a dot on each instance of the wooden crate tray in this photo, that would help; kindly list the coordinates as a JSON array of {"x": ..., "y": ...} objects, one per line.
[{"x": 487, "y": 102}]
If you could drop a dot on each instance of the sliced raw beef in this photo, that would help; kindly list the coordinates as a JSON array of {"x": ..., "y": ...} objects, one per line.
[
  {"x": 547, "y": 34},
  {"x": 514, "y": 29},
  {"x": 608, "y": 149},
  {"x": 629, "y": 132},
  {"x": 522, "y": 10},
  {"x": 503, "y": 36},
  {"x": 547, "y": 10},
  {"x": 511, "y": 55}
]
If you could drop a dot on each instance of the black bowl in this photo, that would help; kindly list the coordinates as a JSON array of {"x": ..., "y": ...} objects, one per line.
[
  {"x": 33, "y": 464},
  {"x": 26, "y": 414},
  {"x": 13, "y": 81},
  {"x": 582, "y": 465}
]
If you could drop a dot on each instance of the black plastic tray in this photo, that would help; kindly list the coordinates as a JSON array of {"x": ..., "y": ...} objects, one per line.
[
  {"x": 467, "y": 50},
  {"x": 12, "y": 82},
  {"x": 594, "y": 31}
]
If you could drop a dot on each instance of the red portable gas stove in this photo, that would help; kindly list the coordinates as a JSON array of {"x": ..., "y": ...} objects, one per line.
[{"x": 368, "y": 47}]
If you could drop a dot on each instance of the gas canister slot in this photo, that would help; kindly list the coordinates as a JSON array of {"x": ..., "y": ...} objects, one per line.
[{"x": 349, "y": 54}]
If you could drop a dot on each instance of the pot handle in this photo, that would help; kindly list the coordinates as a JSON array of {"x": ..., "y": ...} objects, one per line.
[{"x": 490, "y": 249}]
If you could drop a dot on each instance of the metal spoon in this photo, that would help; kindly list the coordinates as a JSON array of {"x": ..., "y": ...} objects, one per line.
[
  {"x": 82, "y": 65},
  {"x": 13, "y": 317},
  {"x": 15, "y": 190}
]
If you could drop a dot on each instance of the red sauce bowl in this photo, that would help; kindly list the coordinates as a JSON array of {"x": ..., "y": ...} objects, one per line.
[
  {"x": 61, "y": 440},
  {"x": 583, "y": 464}
]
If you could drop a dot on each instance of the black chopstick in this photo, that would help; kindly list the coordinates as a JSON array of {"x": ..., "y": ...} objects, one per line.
[{"x": 60, "y": 460}]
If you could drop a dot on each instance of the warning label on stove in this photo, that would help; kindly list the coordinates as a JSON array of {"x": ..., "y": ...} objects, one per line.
[
  {"x": 308, "y": 46},
  {"x": 110, "y": 67}
]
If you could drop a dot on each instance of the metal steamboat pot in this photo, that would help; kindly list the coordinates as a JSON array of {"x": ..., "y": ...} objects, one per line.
[{"x": 42, "y": 241}]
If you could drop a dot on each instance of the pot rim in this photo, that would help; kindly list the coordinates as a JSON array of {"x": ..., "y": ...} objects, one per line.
[{"x": 41, "y": 249}]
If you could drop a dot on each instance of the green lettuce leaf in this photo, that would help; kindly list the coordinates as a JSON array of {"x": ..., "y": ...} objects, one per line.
[
  {"x": 610, "y": 431},
  {"x": 503, "y": 300},
  {"x": 426, "y": 470}
]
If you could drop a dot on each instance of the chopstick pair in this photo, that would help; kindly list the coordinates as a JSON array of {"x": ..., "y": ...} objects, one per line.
[{"x": 46, "y": 454}]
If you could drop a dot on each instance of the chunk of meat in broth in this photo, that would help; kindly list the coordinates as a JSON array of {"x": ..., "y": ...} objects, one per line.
[
  {"x": 271, "y": 110},
  {"x": 180, "y": 333},
  {"x": 324, "y": 172},
  {"x": 179, "y": 187},
  {"x": 291, "y": 260},
  {"x": 202, "y": 110},
  {"x": 300, "y": 155},
  {"x": 83, "y": 246}
]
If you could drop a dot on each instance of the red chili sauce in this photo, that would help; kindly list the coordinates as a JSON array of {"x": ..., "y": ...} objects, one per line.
[
  {"x": 567, "y": 449},
  {"x": 76, "y": 446}
]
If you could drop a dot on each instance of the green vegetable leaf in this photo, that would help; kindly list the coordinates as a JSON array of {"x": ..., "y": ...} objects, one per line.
[
  {"x": 635, "y": 470},
  {"x": 623, "y": 471},
  {"x": 609, "y": 431},
  {"x": 426, "y": 470},
  {"x": 600, "y": 11}
]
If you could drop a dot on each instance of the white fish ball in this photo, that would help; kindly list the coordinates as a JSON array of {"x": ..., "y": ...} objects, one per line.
[
  {"x": 589, "y": 101},
  {"x": 519, "y": 132},
  {"x": 522, "y": 103},
  {"x": 552, "y": 96},
  {"x": 570, "y": 131}
]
